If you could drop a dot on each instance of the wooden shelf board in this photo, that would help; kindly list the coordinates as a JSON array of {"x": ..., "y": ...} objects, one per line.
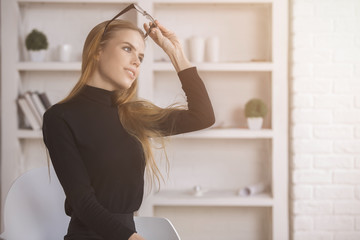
[
  {"x": 49, "y": 66},
  {"x": 157, "y": 66},
  {"x": 211, "y": 198},
  {"x": 69, "y": 1},
  {"x": 29, "y": 134},
  {"x": 209, "y": 134},
  {"x": 230, "y": 133},
  {"x": 212, "y": 1},
  {"x": 229, "y": 67}
]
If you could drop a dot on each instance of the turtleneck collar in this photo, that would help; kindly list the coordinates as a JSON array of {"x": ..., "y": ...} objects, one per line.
[{"x": 99, "y": 95}]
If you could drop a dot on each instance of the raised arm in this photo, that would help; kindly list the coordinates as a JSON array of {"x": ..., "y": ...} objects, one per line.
[{"x": 200, "y": 113}]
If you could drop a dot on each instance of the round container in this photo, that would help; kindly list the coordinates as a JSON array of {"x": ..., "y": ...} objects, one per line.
[
  {"x": 212, "y": 49},
  {"x": 65, "y": 51},
  {"x": 197, "y": 49}
]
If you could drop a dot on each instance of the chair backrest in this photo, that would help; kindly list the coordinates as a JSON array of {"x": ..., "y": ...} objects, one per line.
[
  {"x": 34, "y": 210},
  {"x": 155, "y": 228},
  {"x": 34, "y": 207}
]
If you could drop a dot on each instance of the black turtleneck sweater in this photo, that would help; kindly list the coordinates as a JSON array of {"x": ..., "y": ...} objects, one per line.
[{"x": 99, "y": 165}]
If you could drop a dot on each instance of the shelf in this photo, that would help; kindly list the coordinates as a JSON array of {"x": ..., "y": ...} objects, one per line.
[
  {"x": 155, "y": 1},
  {"x": 211, "y": 198},
  {"x": 229, "y": 133},
  {"x": 29, "y": 134},
  {"x": 209, "y": 133},
  {"x": 253, "y": 64},
  {"x": 212, "y": 1},
  {"x": 228, "y": 67},
  {"x": 159, "y": 67},
  {"x": 68, "y": 1},
  {"x": 49, "y": 66}
]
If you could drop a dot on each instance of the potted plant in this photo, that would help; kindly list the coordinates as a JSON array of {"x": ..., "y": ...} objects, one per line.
[
  {"x": 255, "y": 111},
  {"x": 36, "y": 43}
]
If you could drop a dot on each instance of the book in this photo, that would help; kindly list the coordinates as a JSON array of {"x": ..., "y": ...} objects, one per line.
[
  {"x": 28, "y": 113},
  {"x": 45, "y": 100},
  {"x": 28, "y": 98},
  {"x": 38, "y": 103},
  {"x": 22, "y": 121}
]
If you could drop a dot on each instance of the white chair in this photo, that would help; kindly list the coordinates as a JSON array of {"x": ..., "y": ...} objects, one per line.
[
  {"x": 155, "y": 228},
  {"x": 34, "y": 207},
  {"x": 34, "y": 210}
]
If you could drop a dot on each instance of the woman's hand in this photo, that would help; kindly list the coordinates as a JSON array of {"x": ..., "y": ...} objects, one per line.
[
  {"x": 136, "y": 236},
  {"x": 168, "y": 41}
]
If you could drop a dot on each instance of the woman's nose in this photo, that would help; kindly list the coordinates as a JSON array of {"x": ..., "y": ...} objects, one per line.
[{"x": 136, "y": 61}]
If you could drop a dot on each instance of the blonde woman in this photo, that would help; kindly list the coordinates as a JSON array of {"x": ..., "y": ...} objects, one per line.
[{"x": 98, "y": 137}]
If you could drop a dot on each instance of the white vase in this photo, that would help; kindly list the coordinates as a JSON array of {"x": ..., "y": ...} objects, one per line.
[
  {"x": 37, "y": 56},
  {"x": 212, "y": 49},
  {"x": 65, "y": 51},
  {"x": 255, "y": 123},
  {"x": 197, "y": 49}
]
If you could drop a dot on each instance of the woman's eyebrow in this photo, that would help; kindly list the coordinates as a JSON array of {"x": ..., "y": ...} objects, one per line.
[{"x": 132, "y": 46}]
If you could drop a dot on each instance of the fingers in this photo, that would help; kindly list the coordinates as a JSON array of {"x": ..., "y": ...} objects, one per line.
[
  {"x": 151, "y": 25},
  {"x": 159, "y": 26},
  {"x": 163, "y": 29},
  {"x": 154, "y": 32},
  {"x": 146, "y": 27},
  {"x": 163, "y": 37}
]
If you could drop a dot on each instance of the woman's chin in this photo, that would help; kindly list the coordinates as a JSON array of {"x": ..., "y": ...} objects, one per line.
[{"x": 125, "y": 85}]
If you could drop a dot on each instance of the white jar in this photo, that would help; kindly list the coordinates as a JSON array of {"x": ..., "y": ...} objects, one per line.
[
  {"x": 212, "y": 49},
  {"x": 197, "y": 49},
  {"x": 65, "y": 51}
]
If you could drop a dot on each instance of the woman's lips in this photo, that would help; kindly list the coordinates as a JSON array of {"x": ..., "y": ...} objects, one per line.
[{"x": 131, "y": 72}]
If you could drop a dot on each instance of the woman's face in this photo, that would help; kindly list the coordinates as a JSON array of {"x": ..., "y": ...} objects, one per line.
[{"x": 119, "y": 61}]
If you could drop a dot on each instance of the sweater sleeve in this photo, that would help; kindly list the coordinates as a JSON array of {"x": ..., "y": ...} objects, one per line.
[
  {"x": 199, "y": 114},
  {"x": 75, "y": 181}
]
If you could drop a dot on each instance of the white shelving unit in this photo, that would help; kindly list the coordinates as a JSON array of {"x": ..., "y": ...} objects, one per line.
[{"x": 253, "y": 63}]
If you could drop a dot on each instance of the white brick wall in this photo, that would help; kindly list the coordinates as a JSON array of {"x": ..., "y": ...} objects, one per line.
[{"x": 325, "y": 118}]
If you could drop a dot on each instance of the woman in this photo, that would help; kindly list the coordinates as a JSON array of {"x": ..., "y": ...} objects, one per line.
[{"x": 98, "y": 136}]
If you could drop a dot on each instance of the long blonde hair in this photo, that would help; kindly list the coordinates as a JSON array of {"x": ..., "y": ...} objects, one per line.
[{"x": 140, "y": 118}]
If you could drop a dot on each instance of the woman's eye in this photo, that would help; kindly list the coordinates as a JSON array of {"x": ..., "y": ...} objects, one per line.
[
  {"x": 128, "y": 49},
  {"x": 141, "y": 59}
]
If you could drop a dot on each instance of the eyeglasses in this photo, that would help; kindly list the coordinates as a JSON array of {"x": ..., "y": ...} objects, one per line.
[{"x": 141, "y": 11}]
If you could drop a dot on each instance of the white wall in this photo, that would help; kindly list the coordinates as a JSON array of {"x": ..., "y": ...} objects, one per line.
[{"x": 325, "y": 93}]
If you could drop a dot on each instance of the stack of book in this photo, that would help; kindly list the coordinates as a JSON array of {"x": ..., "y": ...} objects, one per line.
[{"x": 33, "y": 106}]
